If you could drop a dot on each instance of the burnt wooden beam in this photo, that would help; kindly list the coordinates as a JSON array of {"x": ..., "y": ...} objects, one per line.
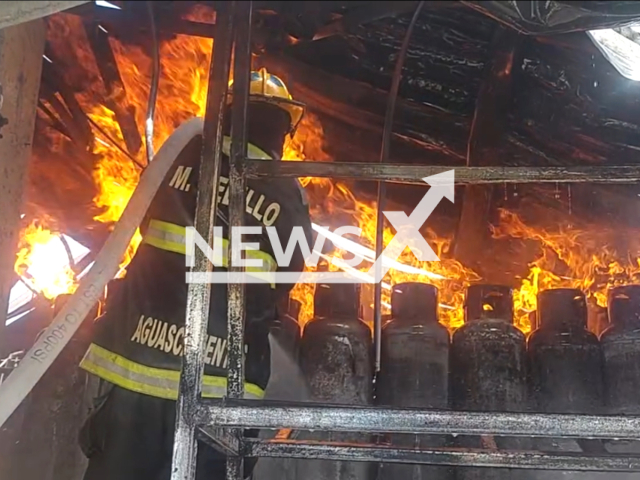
[
  {"x": 64, "y": 116},
  {"x": 362, "y": 106},
  {"x": 413, "y": 174},
  {"x": 21, "y": 49},
  {"x": 372, "y": 12},
  {"x": 368, "y": 13},
  {"x": 485, "y": 139},
  {"x": 55, "y": 121},
  {"x": 81, "y": 131},
  {"x": 116, "y": 99},
  {"x": 52, "y": 76}
]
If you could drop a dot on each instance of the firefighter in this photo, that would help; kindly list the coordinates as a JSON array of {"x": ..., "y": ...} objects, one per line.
[{"x": 138, "y": 344}]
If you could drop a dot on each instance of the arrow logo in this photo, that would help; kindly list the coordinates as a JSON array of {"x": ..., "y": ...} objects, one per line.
[{"x": 408, "y": 228}]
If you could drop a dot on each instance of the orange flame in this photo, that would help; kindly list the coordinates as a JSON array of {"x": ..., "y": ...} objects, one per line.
[
  {"x": 570, "y": 258},
  {"x": 182, "y": 94},
  {"x": 40, "y": 265},
  {"x": 330, "y": 199}
]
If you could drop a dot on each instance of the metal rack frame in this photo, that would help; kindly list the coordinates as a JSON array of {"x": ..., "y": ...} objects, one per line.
[{"x": 220, "y": 421}]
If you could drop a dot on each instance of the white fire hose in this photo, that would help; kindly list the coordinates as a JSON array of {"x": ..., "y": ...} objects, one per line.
[{"x": 49, "y": 345}]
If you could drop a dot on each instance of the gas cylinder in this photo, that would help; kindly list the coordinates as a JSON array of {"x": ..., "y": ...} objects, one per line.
[
  {"x": 336, "y": 360},
  {"x": 414, "y": 371},
  {"x": 488, "y": 372},
  {"x": 621, "y": 352},
  {"x": 566, "y": 369},
  {"x": 621, "y": 349},
  {"x": 565, "y": 358}
]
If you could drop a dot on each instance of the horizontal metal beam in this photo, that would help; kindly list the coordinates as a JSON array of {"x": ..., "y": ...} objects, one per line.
[
  {"x": 451, "y": 457},
  {"x": 242, "y": 413},
  {"x": 413, "y": 174},
  {"x": 221, "y": 439}
]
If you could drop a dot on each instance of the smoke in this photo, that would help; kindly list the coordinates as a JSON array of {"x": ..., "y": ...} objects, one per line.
[{"x": 287, "y": 383}]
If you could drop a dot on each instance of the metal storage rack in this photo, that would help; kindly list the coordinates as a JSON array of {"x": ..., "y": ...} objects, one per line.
[{"x": 220, "y": 421}]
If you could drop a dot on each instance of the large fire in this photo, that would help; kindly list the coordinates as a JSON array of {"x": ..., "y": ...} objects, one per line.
[
  {"x": 182, "y": 93},
  {"x": 569, "y": 258},
  {"x": 43, "y": 269}
]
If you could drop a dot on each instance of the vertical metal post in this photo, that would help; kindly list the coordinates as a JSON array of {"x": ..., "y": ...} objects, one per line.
[
  {"x": 155, "y": 82},
  {"x": 382, "y": 188},
  {"x": 197, "y": 315},
  {"x": 237, "y": 207},
  {"x": 235, "y": 291}
]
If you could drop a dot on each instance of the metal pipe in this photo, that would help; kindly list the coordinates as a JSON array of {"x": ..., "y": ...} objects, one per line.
[
  {"x": 222, "y": 439},
  {"x": 450, "y": 457},
  {"x": 198, "y": 297},
  {"x": 114, "y": 143},
  {"x": 382, "y": 186},
  {"x": 237, "y": 207},
  {"x": 235, "y": 468},
  {"x": 375, "y": 420},
  {"x": 153, "y": 90},
  {"x": 413, "y": 174},
  {"x": 235, "y": 291},
  {"x": 67, "y": 250}
]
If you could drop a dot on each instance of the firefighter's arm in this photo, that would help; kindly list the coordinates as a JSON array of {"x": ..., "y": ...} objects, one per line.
[
  {"x": 179, "y": 186},
  {"x": 294, "y": 216}
]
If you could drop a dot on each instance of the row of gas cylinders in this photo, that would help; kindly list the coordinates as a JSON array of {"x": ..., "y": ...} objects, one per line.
[{"x": 486, "y": 365}]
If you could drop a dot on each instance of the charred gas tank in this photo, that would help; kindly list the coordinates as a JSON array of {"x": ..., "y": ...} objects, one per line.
[
  {"x": 335, "y": 357},
  {"x": 414, "y": 371},
  {"x": 565, "y": 358},
  {"x": 621, "y": 351},
  {"x": 335, "y": 351},
  {"x": 566, "y": 368},
  {"x": 488, "y": 371},
  {"x": 488, "y": 354}
]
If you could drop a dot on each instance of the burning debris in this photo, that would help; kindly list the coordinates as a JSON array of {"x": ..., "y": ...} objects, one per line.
[
  {"x": 45, "y": 270},
  {"x": 569, "y": 257}
]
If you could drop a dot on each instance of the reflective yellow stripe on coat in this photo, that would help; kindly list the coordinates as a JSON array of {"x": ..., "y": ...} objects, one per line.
[
  {"x": 254, "y": 152},
  {"x": 172, "y": 238},
  {"x": 156, "y": 382}
]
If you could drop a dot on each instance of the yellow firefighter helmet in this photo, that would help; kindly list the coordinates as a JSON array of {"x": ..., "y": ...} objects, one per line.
[{"x": 265, "y": 87}]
